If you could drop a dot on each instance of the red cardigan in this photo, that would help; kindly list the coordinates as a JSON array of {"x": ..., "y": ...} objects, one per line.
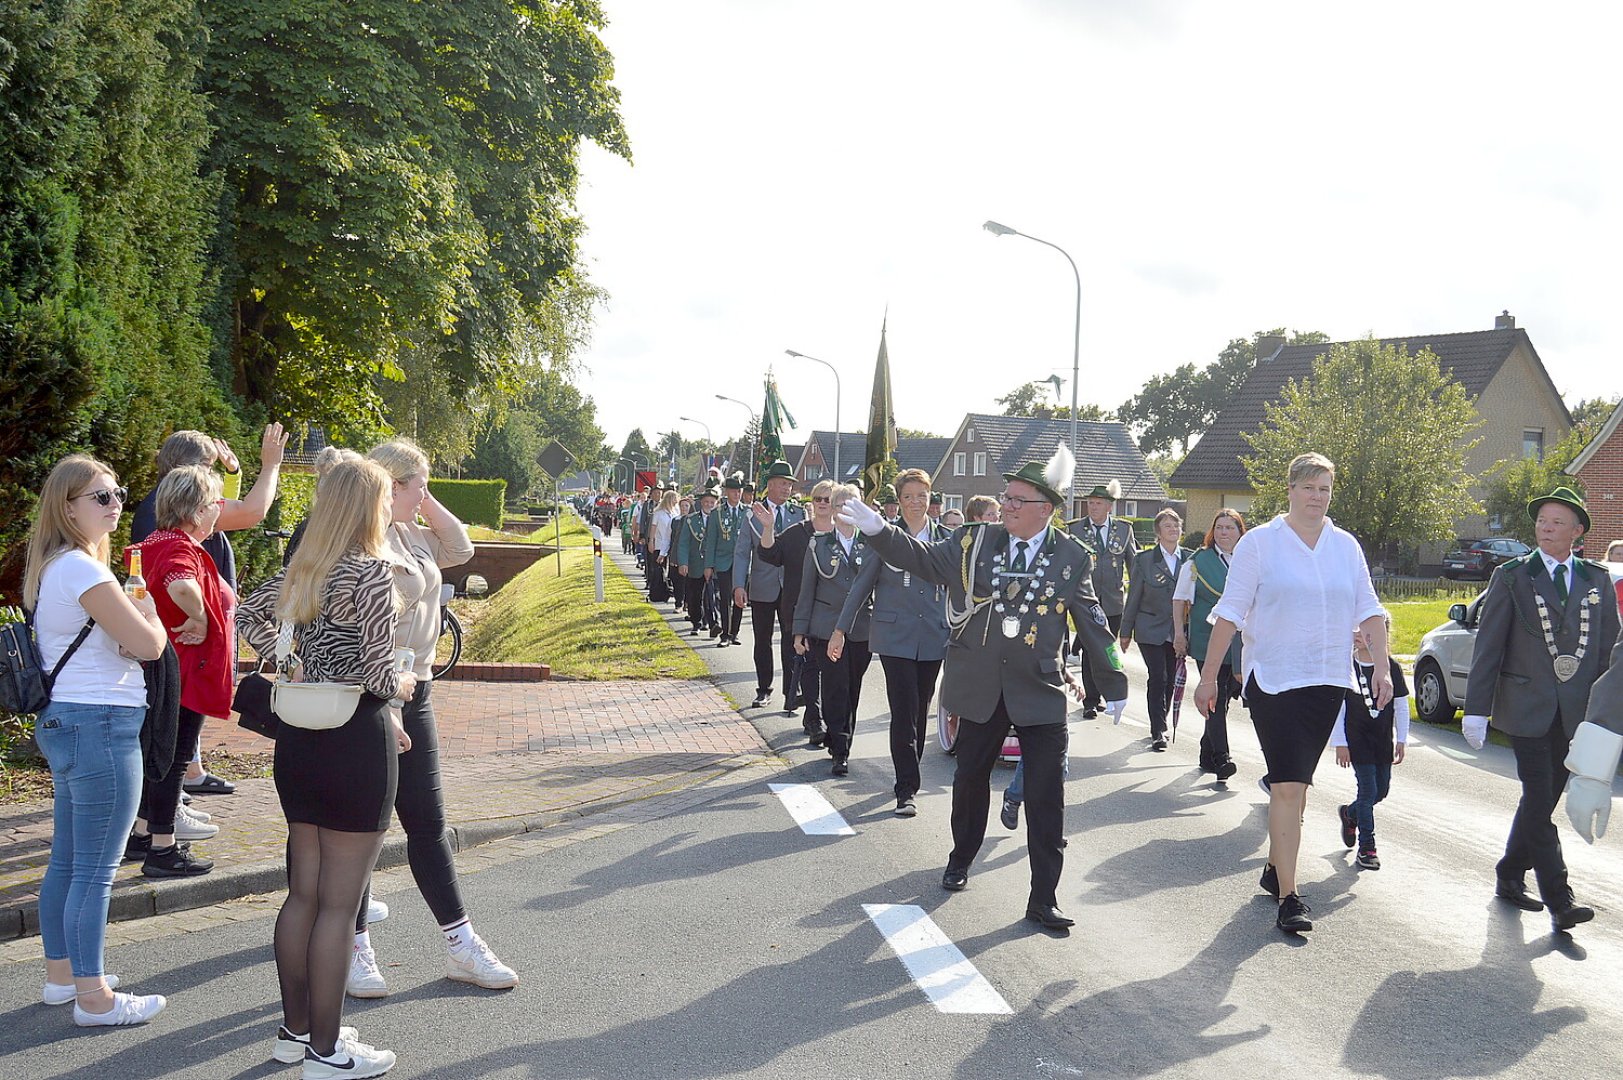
[{"x": 205, "y": 669}]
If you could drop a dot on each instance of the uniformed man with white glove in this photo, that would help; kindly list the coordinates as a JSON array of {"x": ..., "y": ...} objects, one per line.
[
  {"x": 1010, "y": 587},
  {"x": 1545, "y": 634}
]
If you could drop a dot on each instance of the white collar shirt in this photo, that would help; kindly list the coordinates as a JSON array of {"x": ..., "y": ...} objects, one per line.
[
  {"x": 846, "y": 542},
  {"x": 1550, "y": 565},
  {"x": 1033, "y": 547},
  {"x": 1298, "y": 605},
  {"x": 1171, "y": 559}
]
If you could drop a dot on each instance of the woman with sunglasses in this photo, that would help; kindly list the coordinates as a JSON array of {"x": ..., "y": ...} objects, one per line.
[
  {"x": 788, "y": 550},
  {"x": 94, "y": 637},
  {"x": 196, "y": 606}
]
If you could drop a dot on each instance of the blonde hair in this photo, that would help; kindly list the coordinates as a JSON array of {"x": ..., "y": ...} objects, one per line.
[
  {"x": 1307, "y": 466},
  {"x": 54, "y": 532},
  {"x": 402, "y": 458},
  {"x": 823, "y": 487},
  {"x": 668, "y": 500},
  {"x": 842, "y": 494},
  {"x": 332, "y": 455},
  {"x": 186, "y": 448},
  {"x": 183, "y": 494},
  {"x": 350, "y": 513},
  {"x": 912, "y": 476}
]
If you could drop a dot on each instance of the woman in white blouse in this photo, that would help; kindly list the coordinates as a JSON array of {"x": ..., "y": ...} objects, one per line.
[{"x": 1296, "y": 584}]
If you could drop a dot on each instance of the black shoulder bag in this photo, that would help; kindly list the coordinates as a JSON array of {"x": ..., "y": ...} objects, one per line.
[{"x": 25, "y": 685}]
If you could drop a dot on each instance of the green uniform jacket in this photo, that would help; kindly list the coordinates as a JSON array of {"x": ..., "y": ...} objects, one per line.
[
  {"x": 1211, "y": 575},
  {"x": 690, "y": 542},
  {"x": 721, "y": 536}
]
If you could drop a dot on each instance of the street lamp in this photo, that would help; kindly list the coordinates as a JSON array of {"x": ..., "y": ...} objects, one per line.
[
  {"x": 838, "y": 477},
  {"x": 735, "y": 401},
  {"x": 1076, "y": 346},
  {"x": 707, "y": 437}
]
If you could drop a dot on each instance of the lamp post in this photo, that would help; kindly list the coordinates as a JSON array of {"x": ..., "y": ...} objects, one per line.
[
  {"x": 838, "y": 477},
  {"x": 707, "y": 437},
  {"x": 1076, "y": 341},
  {"x": 735, "y": 401}
]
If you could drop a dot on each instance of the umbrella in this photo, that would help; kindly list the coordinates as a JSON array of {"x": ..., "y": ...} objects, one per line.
[{"x": 1178, "y": 682}]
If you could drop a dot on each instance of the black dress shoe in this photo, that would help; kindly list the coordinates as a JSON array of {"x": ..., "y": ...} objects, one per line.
[
  {"x": 1089, "y": 713},
  {"x": 1516, "y": 892},
  {"x": 1159, "y": 744},
  {"x": 1226, "y": 769},
  {"x": 1570, "y": 915},
  {"x": 841, "y": 766},
  {"x": 955, "y": 880},
  {"x": 815, "y": 741},
  {"x": 1051, "y": 918}
]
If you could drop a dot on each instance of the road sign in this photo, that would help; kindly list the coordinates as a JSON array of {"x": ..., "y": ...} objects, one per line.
[{"x": 555, "y": 460}]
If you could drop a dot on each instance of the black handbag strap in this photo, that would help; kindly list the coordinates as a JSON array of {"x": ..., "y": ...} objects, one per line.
[{"x": 50, "y": 678}]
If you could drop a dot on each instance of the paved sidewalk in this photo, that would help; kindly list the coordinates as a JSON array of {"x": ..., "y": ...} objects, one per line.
[{"x": 516, "y": 757}]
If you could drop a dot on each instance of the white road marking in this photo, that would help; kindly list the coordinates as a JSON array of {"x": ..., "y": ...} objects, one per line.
[
  {"x": 814, "y": 814},
  {"x": 1449, "y": 751},
  {"x": 944, "y": 973}
]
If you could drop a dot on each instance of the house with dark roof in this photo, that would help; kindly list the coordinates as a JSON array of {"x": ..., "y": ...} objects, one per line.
[
  {"x": 1599, "y": 467},
  {"x": 987, "y": 446},
  {"x": 1521, "y": 410},
  {"x": 816, "y": 460}
]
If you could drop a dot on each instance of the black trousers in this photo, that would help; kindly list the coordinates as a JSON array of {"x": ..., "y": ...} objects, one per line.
[
  {"x": 1214, "y": 741},
  {"x": 1535, "y": 843},
  {"x": 419, "y": 801},
  {"x": 1092, "y": 696},
  {"x": 1042, "y": 750},
  {"x": 763, "y": 615},
  {"x": 160, "y": 801},
  {"x": 732, "y": 616},
  {"x": 677, "y": 581},
  {"x": 909, "y": 684},
  {"x": 1162, "y": 660},
  {"x": 842, "y": 690},
  {"x": 695, "y": 584}
]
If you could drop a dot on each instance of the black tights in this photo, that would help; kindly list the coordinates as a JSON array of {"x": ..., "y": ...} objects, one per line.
[
  {"x": 421, "y": 806},
  {"x": 326, "y": 874}
]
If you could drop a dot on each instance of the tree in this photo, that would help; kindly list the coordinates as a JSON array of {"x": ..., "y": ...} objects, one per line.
[
  {"x": 1174, "y": 409},
  {"x": 1513, "y": 483},
  {"x": 1031, "y": 400},
  {"x": 637, "y": 451},
  {"x": 914, "y": 433},
  {"x": 1398, "y": 431}
]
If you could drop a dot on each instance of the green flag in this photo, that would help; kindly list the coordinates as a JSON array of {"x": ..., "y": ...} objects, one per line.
[
  {"x": 774, "y": 418},
  {"x": 879, "y": 466}
]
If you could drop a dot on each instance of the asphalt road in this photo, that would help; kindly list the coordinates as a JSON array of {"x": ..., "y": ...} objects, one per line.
[{"x": 720, "y": 940}]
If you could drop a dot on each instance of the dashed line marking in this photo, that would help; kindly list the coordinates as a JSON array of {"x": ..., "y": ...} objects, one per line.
[
  {"x": 814, "y": 814},
  {"x": 939, "y": 968}
]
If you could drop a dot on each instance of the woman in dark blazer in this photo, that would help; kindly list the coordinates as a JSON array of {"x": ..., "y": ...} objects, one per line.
[
  {"x": 788, "y": 550},
  {"x": 833, "y": 561},
  {"x": 1149, "y": 617}
]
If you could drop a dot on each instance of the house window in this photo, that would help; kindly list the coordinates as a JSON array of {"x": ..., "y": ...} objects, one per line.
[
  {"x": 1129, "y": 508},
  {"x": 1533, "y": 444},
  {"x": 958, "y": 464},
  {"x": 969, "y": 435},
  {"x": 952, "y": 502},
  {"x": 980, "y": 464}
]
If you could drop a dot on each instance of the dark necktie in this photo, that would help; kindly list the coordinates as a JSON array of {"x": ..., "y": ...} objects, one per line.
[
  {"x": 778, "y": 519},
  {"x": 1019, "y": 564},
  {"x": 1561, "y": 582}
]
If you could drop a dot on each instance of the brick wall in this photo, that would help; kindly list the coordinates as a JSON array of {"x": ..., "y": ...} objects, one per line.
[{"x": 1602, "y": 478}]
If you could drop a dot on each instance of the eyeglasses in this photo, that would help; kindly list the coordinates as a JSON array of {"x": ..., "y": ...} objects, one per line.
[
  {"x": 1014, "y": 502},
  {"x": 822, "y": 499},
  {"x": 106, "y": 497}
]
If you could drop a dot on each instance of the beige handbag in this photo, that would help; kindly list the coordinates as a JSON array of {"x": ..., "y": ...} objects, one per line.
[{"x": 314, "y": 706}]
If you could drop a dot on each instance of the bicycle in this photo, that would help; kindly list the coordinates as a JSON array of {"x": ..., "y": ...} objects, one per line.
[{"x": 449, "y": 624}]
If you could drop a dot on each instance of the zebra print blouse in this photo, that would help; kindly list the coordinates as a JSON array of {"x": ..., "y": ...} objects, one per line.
[{"x": 351, "y": 641}]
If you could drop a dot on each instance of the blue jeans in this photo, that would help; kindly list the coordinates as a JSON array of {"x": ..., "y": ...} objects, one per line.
[
  {"x": 95, "y": 756},
  {"x": 1016, "y": 791},
  {"x": 1374, "y": 781}
]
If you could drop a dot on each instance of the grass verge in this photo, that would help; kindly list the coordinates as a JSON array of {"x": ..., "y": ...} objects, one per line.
[
  {"x": 1414, "y": 619},
  {"x": 539, "y": 617},
  {"x": 575, "y": 531}
]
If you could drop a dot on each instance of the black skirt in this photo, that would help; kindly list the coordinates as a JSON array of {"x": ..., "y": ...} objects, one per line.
[
  {"x": 1293, "y": 727},
  {"x": 344, "y": 778}
]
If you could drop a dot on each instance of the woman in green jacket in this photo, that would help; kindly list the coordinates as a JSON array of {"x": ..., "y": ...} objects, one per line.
[{"x": 1200, "y": 586}]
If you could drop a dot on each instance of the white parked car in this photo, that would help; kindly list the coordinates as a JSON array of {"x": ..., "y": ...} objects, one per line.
[{"x": 1444, "y": 661}]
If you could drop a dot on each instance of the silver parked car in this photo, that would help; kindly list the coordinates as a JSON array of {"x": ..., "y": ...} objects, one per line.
[{"x": 1444, "y": 661}]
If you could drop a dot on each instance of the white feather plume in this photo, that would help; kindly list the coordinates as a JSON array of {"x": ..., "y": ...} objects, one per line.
[
  {"x": 1113, "y": 489},
  {"x": 1057, "y": 473}
]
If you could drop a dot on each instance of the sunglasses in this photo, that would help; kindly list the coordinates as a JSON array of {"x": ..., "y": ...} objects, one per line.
[
  {"x": 822, "y": 499},
  {"x": 106, "y": 497}
]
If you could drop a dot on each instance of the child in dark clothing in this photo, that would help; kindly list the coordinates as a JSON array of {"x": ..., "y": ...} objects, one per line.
[{"x": 1371, "y": 741}]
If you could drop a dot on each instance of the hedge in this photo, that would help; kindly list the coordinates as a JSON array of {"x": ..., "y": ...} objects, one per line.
[{"x": 476, "y": 502}]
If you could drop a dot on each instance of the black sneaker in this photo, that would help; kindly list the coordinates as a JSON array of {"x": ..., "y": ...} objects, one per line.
[
  {"x": 1010, "y": 814},
  {"x": 1226, "y": 769},
  {"x": 1293, "y": 915},
  {"x": 1369, "y": 860},
  {"x": 1159, "y": 744},
  {"x": 1349, "y": 827},
  {"x": 136, "y": 847},
  {"x": 174, "y": 861},
  {"x": 841, "y": 766},
  {"x": 1270, "y": 881}
]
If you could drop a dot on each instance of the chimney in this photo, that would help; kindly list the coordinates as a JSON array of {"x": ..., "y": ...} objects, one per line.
[
  {"x": 1268, "y": 347},
  {"x": 1504, "y": 321}
]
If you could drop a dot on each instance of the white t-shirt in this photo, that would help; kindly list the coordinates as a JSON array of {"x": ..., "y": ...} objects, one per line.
[
  {"x": 96, "y": 674},
  {"x": 1298, "y": 605}
]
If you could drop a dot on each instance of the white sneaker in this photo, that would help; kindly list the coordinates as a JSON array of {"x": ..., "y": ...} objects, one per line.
[
  {"x": 289, "y": 1048},
  {"x": 64, "y": 993},
  {"x": 200, "y": 815},
  {"x": 478, "y": 965},
  {"x": 376, "y": 911},
  {"x": 365, "y": 980},
  {"x": 189, "y": 827},
  {"x": 127, "y": 1009},
  {"x": 348, "y": 1059}
]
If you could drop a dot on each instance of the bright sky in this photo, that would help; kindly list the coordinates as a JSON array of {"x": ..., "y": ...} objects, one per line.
[{"x": 1214, "y": 169}]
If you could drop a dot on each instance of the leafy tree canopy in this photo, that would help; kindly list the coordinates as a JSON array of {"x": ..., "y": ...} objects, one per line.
[
  {"x": 1034, "y": 399},
  {"x": 1512, "y": 484}
]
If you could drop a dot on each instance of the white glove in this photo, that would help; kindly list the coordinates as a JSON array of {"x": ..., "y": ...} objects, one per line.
[
  {"x": 861, "y": 516},
  {"x": 1475, "y": 729},
  {"x": 1592, "y": 759},
  {"x": 1115, "y": 709}
]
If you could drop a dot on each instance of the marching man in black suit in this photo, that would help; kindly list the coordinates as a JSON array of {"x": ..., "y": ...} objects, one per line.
[{"x": 1009, "y": 587}]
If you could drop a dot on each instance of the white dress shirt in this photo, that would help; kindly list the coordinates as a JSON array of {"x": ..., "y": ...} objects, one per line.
[
  {"x": 1550, "y": 565},
  {"x": 1299, "y": 605},
  {"x": 1034, "y": 547},
  {"x": 1185, "y": 589}
]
